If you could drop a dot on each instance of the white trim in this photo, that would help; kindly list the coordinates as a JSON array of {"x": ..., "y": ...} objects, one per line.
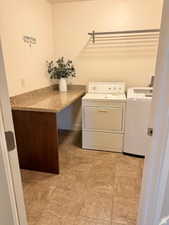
[
  {"x": 163, "y": 178},
  {"x": 7, "y": 168},
  {"x": 156, "y": 163},
  {"x": 13, "y": 157}
]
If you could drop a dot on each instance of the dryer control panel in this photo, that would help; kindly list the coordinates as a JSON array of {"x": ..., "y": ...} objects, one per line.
[{"x": 106, "y": 87}]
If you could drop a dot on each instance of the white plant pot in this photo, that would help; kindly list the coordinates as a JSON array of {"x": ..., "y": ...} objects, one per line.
[{"x": 63, "y": 85}]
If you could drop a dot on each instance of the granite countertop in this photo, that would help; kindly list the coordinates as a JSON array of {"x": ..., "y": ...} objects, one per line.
[{"x": 47, "y": 99}]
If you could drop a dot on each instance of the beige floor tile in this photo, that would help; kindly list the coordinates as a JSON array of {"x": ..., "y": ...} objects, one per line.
[
  {"x": 34, "y": 211},
  {"x": 88, "y": 221},
  {"x": 71, "y": 182},
  {"x": 68, "y": 195},
  {"x": 125, "y": 169},
  {"x": 101, "y": 175},
  {"x": 65, "y": 203},
  {"x": 98, "y": 186},
  {"x": 127, "y": 187},
  {"x": 29, "y": 176},
  {"x": 93, "y": 188},
  {"x": 97, "y": 206},
  {"x": 50, "y": 219},
  {"x": 69, "y": 220},
  {"x": 124, "y": 209},
  {"x": 130, "y": 160}
]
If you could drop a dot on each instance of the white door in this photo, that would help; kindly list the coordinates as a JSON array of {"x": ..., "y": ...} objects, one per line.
[
  {"x": 154, "y": 198},
  {"x": 8, "y": 209},
  {"x": 12, "y": 208}
]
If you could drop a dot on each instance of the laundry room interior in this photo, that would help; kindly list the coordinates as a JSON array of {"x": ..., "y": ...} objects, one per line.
[{"x": 80, "y": 77}]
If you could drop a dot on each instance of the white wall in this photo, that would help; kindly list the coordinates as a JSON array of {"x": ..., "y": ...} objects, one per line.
[
  {"x": 72, "y": 22},
  {"x": 64, "y": 27},
  {"x": 25, "y": 66}
]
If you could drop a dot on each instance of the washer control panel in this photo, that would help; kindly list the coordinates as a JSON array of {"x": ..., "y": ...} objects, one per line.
[{"x": 106, "y": 87}]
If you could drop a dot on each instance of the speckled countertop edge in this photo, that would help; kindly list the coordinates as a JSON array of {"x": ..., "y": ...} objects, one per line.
[{"x": 21, "y": 102}]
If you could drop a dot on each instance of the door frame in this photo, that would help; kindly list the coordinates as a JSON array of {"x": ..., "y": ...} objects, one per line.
[
  {"x": 12, "y": 155},
  {"x": 156, "y": 167},
  {"x": 7, "y": 171}
]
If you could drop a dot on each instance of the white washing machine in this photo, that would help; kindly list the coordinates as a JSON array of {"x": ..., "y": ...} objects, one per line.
[
  {"x": 138, "y": 108},
  {"x": 103, "y": 110}
]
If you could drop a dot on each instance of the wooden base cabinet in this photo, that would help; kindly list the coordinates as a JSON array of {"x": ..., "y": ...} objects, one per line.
[{"x": 37, "y": 140}]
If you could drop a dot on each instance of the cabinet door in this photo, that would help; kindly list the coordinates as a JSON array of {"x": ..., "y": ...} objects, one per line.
[{"x": 103, "y": 118}]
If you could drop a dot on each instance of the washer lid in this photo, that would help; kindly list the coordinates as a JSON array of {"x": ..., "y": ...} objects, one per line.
[{"x": 140, "y": 93}]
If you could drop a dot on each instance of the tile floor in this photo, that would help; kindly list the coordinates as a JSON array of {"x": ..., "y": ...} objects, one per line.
[{"x": 93, "y": 188}]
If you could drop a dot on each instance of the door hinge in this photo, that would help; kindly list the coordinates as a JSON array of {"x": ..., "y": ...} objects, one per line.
[
  {"x": 10, "y": 140},
  {"x": 150, "y": 132}
]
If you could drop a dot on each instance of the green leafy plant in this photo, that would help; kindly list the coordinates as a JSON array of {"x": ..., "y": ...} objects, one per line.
[{"x": 61, "y": 69}]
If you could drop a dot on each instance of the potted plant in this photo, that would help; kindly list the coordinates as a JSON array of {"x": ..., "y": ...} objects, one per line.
[{"x": 61, "y": 70}]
